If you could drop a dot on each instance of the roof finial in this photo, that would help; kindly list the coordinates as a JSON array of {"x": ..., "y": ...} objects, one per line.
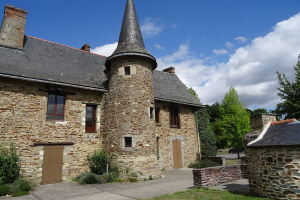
[{"x": 131, "y": 40}]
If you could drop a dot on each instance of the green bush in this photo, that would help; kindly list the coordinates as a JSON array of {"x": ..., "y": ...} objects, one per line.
[
  {"x": 92, "y": 178},
  {"x": 9, "y": 164},
  {"x": 202, "y": 164},
  {"x": 88, "y": 178},
  {"x": 206, "y": 134},
  {"x": 98, "y": 161},
  {"x": 4, "y": 190},
  {"x": 20, "y": 185}
]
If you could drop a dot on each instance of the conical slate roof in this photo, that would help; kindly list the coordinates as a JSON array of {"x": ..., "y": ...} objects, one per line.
[{"x": 131, "y": 40}]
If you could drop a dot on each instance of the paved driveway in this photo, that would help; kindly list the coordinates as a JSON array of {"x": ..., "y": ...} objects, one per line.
[{"x": 173, "y": 181}]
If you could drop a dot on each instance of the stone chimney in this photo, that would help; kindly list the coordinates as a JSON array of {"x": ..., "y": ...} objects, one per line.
[
  {"x": 86, "y": 47},
  {"x": 170, "y": 70},
  {"x": 13, "y": 27},
  {"x": 258, "y": 122}
]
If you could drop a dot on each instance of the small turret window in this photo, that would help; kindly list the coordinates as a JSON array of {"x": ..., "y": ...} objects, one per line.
[
  {"x": 128, "y": 141},
  {"x": 127, "y": 70}
]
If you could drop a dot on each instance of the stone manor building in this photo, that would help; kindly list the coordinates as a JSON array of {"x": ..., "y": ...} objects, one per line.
[{"x": 58, "y": 104}]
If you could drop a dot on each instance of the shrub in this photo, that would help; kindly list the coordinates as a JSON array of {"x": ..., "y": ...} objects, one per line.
[
  {"x": 206, "y": 134},
  {"x": 88, "y": 178},
  {"x": 20, "y": 185},
  {"x": 9, "y": 164},
  {"x": 4, "y": 190},
  {"x": 202, "y": 164},
  {"x": 98, "y": 161}
]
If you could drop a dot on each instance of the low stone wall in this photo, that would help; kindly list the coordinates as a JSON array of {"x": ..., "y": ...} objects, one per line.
[{"x": 212, "y": 176}]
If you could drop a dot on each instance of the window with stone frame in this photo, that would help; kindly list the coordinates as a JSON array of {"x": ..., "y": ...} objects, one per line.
[
  {"x": 90, "y": 119},
  {"x": 151, "y": 113},
  {"x": 174, "y": 117},
  {"x": 55, "y": 107},
  {"x": 157, "y": 118}
]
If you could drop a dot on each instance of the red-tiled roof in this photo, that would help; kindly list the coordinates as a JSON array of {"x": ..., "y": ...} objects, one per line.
[{"x": 283, "y": 121}]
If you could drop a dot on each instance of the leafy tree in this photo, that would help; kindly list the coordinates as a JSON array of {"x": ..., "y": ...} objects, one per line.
[
  {"x": 234, "y": 120},
  {"x": 290, "y": 94},
  {"x": 194, "y": 93},
  {"x": 214, "y": 114},
  {"x": 213, "y": 111},
  {"x": 259, "y": 111},
  {"x": 206, "y": 134}
]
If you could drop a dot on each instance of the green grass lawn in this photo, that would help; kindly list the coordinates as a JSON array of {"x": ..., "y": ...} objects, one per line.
[{"x": 208, "y": 194}]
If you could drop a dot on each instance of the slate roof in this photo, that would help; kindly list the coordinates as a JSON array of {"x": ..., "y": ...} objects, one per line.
[
  {"x": 48, "y": 62},
  {"x": 131, "y": 40},
  {"x": 285, "y": 134}
]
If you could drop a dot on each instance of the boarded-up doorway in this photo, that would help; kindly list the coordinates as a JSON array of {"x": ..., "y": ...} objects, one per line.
[
  {"x": 177, "y": 155},
  {"x": 52, "y": 164}
]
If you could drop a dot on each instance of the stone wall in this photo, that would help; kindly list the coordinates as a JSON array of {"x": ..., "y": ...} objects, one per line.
[
  {"x": 186, "y": 133},
  {"x": 127, "y": 115},
  {"x": 275, "y": 172},
  {"x": 23, "y": 108},
  {"x": 212, "y": 176}
]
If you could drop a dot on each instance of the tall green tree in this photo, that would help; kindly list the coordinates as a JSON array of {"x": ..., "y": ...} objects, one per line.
[
  {"x": 206, "y": 134},
  {"x": 290, "y": 94},
  {"x": 234, "y": 120}
]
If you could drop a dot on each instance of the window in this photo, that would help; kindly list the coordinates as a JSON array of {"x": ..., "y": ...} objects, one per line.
[
  {"x": 157, "y": 147},
  {"x": 157, "y": 110},
  {"x": 174, "y": 117},
  {"x": 127, "y": 70},
  {"x": 56, "y": 107},
  {"x": 128, "y": 141},
  {"x": 90, "y": 119},
  {"x": 151, "y": 113}
]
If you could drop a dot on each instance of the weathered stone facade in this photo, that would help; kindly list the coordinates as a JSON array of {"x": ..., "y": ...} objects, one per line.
[
  {"x": 275, "y": 173},
  {"x": 23, "y": 108},
  {"x": 50, "y": 96},
  {"x": 186, "y": 133},
  {"x": 130, "y": 98}
]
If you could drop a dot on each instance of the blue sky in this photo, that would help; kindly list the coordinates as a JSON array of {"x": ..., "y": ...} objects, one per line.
[{"x": 213, "y": 44}]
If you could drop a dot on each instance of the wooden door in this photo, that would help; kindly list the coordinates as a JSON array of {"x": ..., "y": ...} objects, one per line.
[
  {"x": 52, "y": 164},
  {"x": 177, "y": 156}
]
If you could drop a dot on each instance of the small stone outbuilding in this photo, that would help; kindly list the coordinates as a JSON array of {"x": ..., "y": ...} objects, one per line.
[{"x": 273, "y": 160}]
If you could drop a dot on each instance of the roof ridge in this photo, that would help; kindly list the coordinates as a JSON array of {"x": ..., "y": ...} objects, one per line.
[
  {"x": 283, "y": 121},
  {"x": 65, "y": 46}
]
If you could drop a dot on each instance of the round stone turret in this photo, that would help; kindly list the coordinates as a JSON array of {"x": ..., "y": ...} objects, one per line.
[{"x": 130, "y": 124}]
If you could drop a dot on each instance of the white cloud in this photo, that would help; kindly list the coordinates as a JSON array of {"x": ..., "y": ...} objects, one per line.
[
  {"x": 159, "y": 47},
  {"x": 105, "y": 50},
  {"x": 151, "y": 27},
  {"x": 220, "y": 51},
  {"x": 229, "y": 44},
  {"x": 251, "y": 70},
  {"x": 241, "y": 39}
]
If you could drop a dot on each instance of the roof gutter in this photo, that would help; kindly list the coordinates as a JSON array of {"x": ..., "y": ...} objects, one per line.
[
  {"x": 179, "y": 102},
  {"x": 53, "y": 82}
]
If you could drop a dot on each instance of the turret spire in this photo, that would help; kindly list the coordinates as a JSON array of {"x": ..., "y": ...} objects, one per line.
[{"x": 131, "y": 40}]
